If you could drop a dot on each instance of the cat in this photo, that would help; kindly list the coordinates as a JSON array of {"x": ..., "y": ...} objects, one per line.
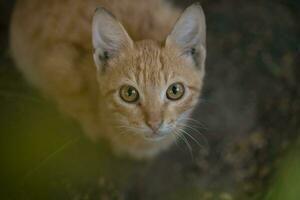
[{"x": 132, "y": 77}]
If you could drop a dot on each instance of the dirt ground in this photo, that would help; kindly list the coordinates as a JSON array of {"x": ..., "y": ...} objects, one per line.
[{"x": 249, "y": 116}]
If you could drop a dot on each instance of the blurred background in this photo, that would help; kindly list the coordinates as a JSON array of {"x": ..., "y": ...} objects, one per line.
[{"x": 250, "y": 116}]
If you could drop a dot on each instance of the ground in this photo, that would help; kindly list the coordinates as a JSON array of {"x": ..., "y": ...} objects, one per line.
[{"x": 249, "y": 116}]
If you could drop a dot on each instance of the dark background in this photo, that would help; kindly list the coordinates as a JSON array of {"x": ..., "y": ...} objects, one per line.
[{"x": 250, "y": 116}]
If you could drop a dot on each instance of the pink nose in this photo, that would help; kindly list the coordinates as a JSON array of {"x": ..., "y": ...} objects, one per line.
[{"x": 154, "y": 125}]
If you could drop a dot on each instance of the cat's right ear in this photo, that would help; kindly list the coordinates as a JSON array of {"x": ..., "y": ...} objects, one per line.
[{"x": 109, "y": 37}]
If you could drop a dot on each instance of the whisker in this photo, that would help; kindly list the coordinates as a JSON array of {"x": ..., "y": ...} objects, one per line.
[
  {"x": 124, "y": 129},
  {"x": 197, "y": 142},
  {"x": 175, "y": 138},
  {"x": 197, "y": 122},
  {"x": 198, "y": 132},
  {"x": 188, "y": 145},
  {"x": 178, "y": 137}
]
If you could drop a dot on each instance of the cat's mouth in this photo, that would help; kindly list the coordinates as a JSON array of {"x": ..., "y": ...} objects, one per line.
[{"x": 157, "y": 135}]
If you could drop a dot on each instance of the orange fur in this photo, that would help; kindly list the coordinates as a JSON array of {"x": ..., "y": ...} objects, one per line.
[{"x": 51, "y": 44}]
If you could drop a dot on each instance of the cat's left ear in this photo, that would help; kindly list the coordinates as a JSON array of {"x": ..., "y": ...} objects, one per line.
[
  {"x": 109, "y": 37},
  {"x": 189, "y": 34}
]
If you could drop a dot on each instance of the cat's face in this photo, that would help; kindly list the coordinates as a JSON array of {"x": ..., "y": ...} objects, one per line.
[{"x": 150, "y": 89}]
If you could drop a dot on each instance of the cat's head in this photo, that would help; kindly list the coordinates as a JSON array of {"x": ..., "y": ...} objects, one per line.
[{"x": 150, "y": 88}]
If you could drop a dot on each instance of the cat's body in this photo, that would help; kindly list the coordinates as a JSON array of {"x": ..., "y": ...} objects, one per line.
[{"x": 51, "y": 44}]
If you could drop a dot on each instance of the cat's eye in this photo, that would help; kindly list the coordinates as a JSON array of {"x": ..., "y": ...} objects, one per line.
[
  {"x": 129, "y": 94},
  {"x": 175, "y": 91}
]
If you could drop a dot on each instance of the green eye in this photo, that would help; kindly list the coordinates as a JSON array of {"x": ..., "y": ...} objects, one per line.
[
  {"x": 175, "y": 91},
  {"x": 129, "y": 94}
]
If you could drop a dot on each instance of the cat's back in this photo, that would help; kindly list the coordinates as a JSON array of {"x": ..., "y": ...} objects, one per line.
[
  {"x": 70, "y": 20},
  {"x": 42, "y": 31}
]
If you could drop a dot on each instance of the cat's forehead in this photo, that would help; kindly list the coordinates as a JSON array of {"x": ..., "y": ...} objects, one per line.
[
  {"x": 147, "y": 53},
  {"x": 155, "y": 62},
  {"x": 149, "y": 64}
]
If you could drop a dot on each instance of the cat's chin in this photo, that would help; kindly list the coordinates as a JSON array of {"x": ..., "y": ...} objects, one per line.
[{"x": 155, "y": 138}]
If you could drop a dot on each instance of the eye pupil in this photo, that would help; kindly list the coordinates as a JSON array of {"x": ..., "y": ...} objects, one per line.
[
  {"x": 175, "y": 89},
  {"x": 130, "y": 91}
]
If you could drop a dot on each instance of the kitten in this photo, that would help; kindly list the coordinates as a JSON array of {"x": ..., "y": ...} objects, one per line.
[{"x": 146, "y": 76}]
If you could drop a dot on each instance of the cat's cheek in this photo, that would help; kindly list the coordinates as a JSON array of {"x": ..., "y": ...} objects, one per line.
[
  {"x": 188, "y": 104},
  {"x": 183, "y": 119}
]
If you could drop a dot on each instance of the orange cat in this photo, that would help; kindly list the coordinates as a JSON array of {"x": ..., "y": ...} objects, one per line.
[{"x": 144, "y": 80}]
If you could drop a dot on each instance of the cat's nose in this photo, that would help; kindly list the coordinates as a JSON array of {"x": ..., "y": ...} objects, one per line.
[{"x": 154, "y": 125}]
